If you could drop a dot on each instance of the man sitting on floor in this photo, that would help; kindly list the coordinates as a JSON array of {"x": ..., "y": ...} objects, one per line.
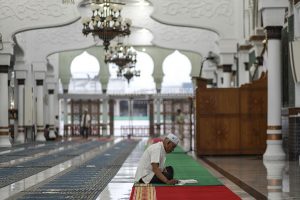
[{"x": 151, "y": 166}]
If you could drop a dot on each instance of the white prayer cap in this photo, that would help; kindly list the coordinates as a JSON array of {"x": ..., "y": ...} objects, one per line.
[{"x": 173, "y": 138}]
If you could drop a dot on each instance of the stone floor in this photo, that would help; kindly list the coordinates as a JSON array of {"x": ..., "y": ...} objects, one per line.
[{"x": 246, "y": 176}]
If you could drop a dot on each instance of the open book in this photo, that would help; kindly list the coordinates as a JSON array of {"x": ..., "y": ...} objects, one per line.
[{"x": 182, "y": 182}]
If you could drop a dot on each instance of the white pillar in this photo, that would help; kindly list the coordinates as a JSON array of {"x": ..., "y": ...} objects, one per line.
[
  {"x": 65, "y": 91},
  {"x": 227, "y": 74},
  {"x": 260, "y": 68},
  {"x": 274, "y": 149},
  {"x": 158, "y": 118},
  {"x": 4, "y": 130},
  {"x": 105, "y": 116},
  {"x": 219, "y": 73},
  {"x": 117, "y": 107},
  {"x": 158, "y": 103},
  {"x": 51, "y": 113},
  {"x": 274, "y": 177},
  {"x": 243, "y": 71},
  {"x": 65, "y": 115},
  {"x": 40, "y": 111},
  {"x": 158, "y": 78},
  {"x": 273, "y": 15},
  {"x": 21, "y": 129}
]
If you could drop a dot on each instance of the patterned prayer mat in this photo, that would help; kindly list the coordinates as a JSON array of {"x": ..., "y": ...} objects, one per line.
[
  {"x": 143, "y": 192},
  {"x": 87, "y": 180}
]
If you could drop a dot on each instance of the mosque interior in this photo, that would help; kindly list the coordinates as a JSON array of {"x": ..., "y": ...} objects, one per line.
[{"x": 224, "y": 76}]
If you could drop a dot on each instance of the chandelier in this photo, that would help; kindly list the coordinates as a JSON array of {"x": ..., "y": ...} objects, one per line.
[
  {"x": 106, "y": 22},
  {"x": 128, "y": 73},
  {"x": 120, "y": 55}
]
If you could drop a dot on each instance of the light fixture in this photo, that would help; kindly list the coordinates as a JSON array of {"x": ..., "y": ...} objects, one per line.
[
  {"x": 120, "y": 55},
  {"x": 128, "y": 73},
  {"x": 106, "y": 21}
]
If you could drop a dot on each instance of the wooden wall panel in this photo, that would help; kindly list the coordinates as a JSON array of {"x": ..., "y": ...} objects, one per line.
[
  {"x": 219, "y": 135},
  {"x": 231, "y": 121},
  {"x": 218, "y": 101},
  {"x": 253, "y": 134}
]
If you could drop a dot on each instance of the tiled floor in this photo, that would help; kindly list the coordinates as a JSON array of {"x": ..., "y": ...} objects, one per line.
[
  {"x": 237, "y": 173},
  {"x": 257, "y": 176}
]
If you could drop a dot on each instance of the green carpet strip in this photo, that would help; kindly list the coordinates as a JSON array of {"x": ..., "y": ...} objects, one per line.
[{"x": 185, "y": 167}]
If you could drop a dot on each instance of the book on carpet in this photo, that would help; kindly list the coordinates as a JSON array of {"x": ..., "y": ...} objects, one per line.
[{"x": 186, "y": 181}]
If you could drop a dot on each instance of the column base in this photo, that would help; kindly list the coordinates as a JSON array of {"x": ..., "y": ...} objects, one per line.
[
  {"x": 40, "y": 137},
  {"x": 52, "y": 134},
  {"x": 274, "y": 176},
  {"x": 4, "y": 141},
  {"x": 20, "y": 138},
  {"x": 274, "y": 151}
]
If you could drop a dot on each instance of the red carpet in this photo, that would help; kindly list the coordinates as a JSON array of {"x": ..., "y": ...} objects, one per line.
[
  {"x": 195, "y": 192},
  {"x": 183, "y": 193}
]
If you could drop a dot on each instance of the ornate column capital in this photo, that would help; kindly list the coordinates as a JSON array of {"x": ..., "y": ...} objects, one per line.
[
  {"x": 273, "y": 12},
  {"x": 39, "y": 82},
  {"x": 227, "y": 68},
  {"x": 4, "y": 69},
  {"x": 21, "y": 81},
  {"x": 273, "y": 32}
]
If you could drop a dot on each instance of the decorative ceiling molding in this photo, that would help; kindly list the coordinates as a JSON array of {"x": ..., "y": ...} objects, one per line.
[
  {"x": 43, "y": 42},
  {"x": 222, "y": 17},
  {"x": 30, "y": 14},
  {"x": 174, "y": 37}
]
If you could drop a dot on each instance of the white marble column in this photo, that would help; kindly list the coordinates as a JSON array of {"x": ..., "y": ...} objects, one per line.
[
  {"x": 258, "y": 46},
  {"x": 260, "y": 67},
  {"x": 117, "y": 107},
  {"x": 65, "y": 92},
  {"x": 40, "y": 111},
  {"x": 105, "y": 115},
  {"x": 21, "y": 129},
  {"x": 219, "y": 73},
  {"x": 273, "y": 14},
  {"x": 65, "y": 116},
  {"x": 243, "y": 72},
  {"x": 227, "y": 75},
  {"x": 158, "y": 118},
  {"x": 158, "y": 78},
  {"x": 4, "y": 129},
  {"x": 274, "y": 149},
  {"x": 51, "y": 113}
]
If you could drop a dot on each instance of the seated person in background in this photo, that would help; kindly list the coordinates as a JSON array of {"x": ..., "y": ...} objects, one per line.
[{"x": 151, "y": 166}]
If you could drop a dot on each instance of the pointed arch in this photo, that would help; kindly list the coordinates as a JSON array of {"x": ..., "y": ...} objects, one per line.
[
  {"x": 177, "y": 69},
  {"x": 84, "y": 72}
]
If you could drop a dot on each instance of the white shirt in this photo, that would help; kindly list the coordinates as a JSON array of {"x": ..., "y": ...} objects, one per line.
[{"x": 153, "y": 154}]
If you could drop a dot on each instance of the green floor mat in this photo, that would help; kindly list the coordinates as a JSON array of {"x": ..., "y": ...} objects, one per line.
[{"x": 186, "y": 167}]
